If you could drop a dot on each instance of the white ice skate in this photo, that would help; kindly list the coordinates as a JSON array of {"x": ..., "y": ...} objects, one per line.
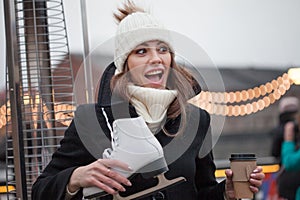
[{"x": 134, "y": 144}]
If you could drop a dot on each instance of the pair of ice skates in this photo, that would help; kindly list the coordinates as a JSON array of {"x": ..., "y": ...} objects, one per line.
[{"x": 134, "y": 144}]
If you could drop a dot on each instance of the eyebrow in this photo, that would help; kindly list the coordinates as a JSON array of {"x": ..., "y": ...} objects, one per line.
[{"x": 146, "y": 43}]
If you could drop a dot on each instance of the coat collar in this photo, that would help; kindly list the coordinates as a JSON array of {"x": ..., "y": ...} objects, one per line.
[{"x": 105, "y": 94}]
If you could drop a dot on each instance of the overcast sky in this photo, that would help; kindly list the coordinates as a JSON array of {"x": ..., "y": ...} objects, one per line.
[{"x": 237, "y": 33}]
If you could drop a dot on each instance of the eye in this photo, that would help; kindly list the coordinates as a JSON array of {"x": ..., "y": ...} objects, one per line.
[
  {"x": 140, "y": 51},
  {"x": 163, "y": 49}
]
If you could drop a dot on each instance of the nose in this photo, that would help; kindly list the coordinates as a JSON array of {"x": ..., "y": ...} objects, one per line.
[{"x": 155, "y": 57}]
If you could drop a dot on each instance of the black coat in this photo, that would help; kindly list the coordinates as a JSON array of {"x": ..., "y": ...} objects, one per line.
[{"x": 84, "y": 141}]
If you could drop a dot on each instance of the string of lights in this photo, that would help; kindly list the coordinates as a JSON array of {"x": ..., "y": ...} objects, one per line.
[
  {"x": 232, "y": 104},
  {"x": 63, "y": 113},
  {"x": 245, "y": 102}
]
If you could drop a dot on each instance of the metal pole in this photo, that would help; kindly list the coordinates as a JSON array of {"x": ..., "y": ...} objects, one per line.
[
  {"x": 89, "y": 88},
  {"x": 14, "y": 95}
]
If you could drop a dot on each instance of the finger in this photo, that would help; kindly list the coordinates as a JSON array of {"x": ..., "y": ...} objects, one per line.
[
  {"x": 104, "y": 187},
  {"x": 254, "y": 189},
  {"x": 258, "y": 169},
  {"x": 112, "y": 180},
  {"x": 255, "y": 182},
  {"x": 110, "y": 173},
  {"x": 107, "y": 164},
  {"x": 229, "y": 183},
  {"x": 100, "y": 172},
  {"x": 228, "y": 173},
  {"x": 230, "y": 194},
  {"x": 106, "y": 183},
  {"x": 257, "y": 176},
  {"x": 115, "y": 164}
]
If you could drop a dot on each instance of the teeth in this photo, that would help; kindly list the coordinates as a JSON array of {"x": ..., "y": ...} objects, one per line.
[{"x": 154, "y": 72}]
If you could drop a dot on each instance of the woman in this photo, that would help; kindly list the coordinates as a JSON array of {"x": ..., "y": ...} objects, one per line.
[
  {"x": 144, "y": 66},
  {"x": 290, "y": 155}
]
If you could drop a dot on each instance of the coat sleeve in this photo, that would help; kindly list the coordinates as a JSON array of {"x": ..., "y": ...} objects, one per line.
[
  {"x": 208, "y": 187},
  {"x": 51, "y": 184},
  {"x": 72, "y": 153},
  {"x": 206, "y": 183}
]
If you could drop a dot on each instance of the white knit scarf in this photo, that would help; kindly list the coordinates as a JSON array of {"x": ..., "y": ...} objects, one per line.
[{"x": 152, "y": 104}]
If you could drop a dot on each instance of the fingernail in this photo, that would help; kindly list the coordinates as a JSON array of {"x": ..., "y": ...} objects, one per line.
[
  {"x": 130, "y": 169},
  {"x": 252, "y": 187},
  {"x": 252, "y": 179},
  {"x": 128, "y": 183},
  {"x": 123, "y": 189}
]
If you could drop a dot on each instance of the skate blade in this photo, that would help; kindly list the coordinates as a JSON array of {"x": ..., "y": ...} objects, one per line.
[{"x": 163, "y": 183}]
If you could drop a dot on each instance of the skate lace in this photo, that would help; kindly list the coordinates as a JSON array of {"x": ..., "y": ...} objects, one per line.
[{"x": 114, "y": 138}]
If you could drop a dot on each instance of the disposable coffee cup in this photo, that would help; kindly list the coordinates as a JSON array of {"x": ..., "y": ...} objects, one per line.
[{"x": 242, "y": 165}]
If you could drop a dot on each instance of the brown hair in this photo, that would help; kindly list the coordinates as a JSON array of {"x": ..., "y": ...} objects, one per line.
[
  {"x": 128, "y": 8},
  {"x": 179, "y": 78}
]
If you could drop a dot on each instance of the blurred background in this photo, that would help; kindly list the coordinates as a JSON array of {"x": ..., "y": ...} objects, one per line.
[{"x": 251, "y": 44}]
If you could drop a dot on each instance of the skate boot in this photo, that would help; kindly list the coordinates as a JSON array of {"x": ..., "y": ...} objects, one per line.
[{"x": 133, "y": 143}]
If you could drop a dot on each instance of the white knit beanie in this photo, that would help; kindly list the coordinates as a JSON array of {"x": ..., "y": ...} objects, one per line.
[{"x": 135, "y": 29}]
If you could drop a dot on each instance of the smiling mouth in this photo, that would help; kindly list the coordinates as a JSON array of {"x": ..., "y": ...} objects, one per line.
[{"x": 154, "y": 76}]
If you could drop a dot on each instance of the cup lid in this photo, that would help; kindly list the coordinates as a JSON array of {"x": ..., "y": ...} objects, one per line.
[{"x": 242, "y": 156}]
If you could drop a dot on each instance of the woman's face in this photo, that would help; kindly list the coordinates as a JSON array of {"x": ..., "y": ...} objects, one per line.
[{"x": 149, "y": 64}]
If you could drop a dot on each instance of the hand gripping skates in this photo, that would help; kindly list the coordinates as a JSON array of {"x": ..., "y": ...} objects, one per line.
[{"x": 134, "y": 144}]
